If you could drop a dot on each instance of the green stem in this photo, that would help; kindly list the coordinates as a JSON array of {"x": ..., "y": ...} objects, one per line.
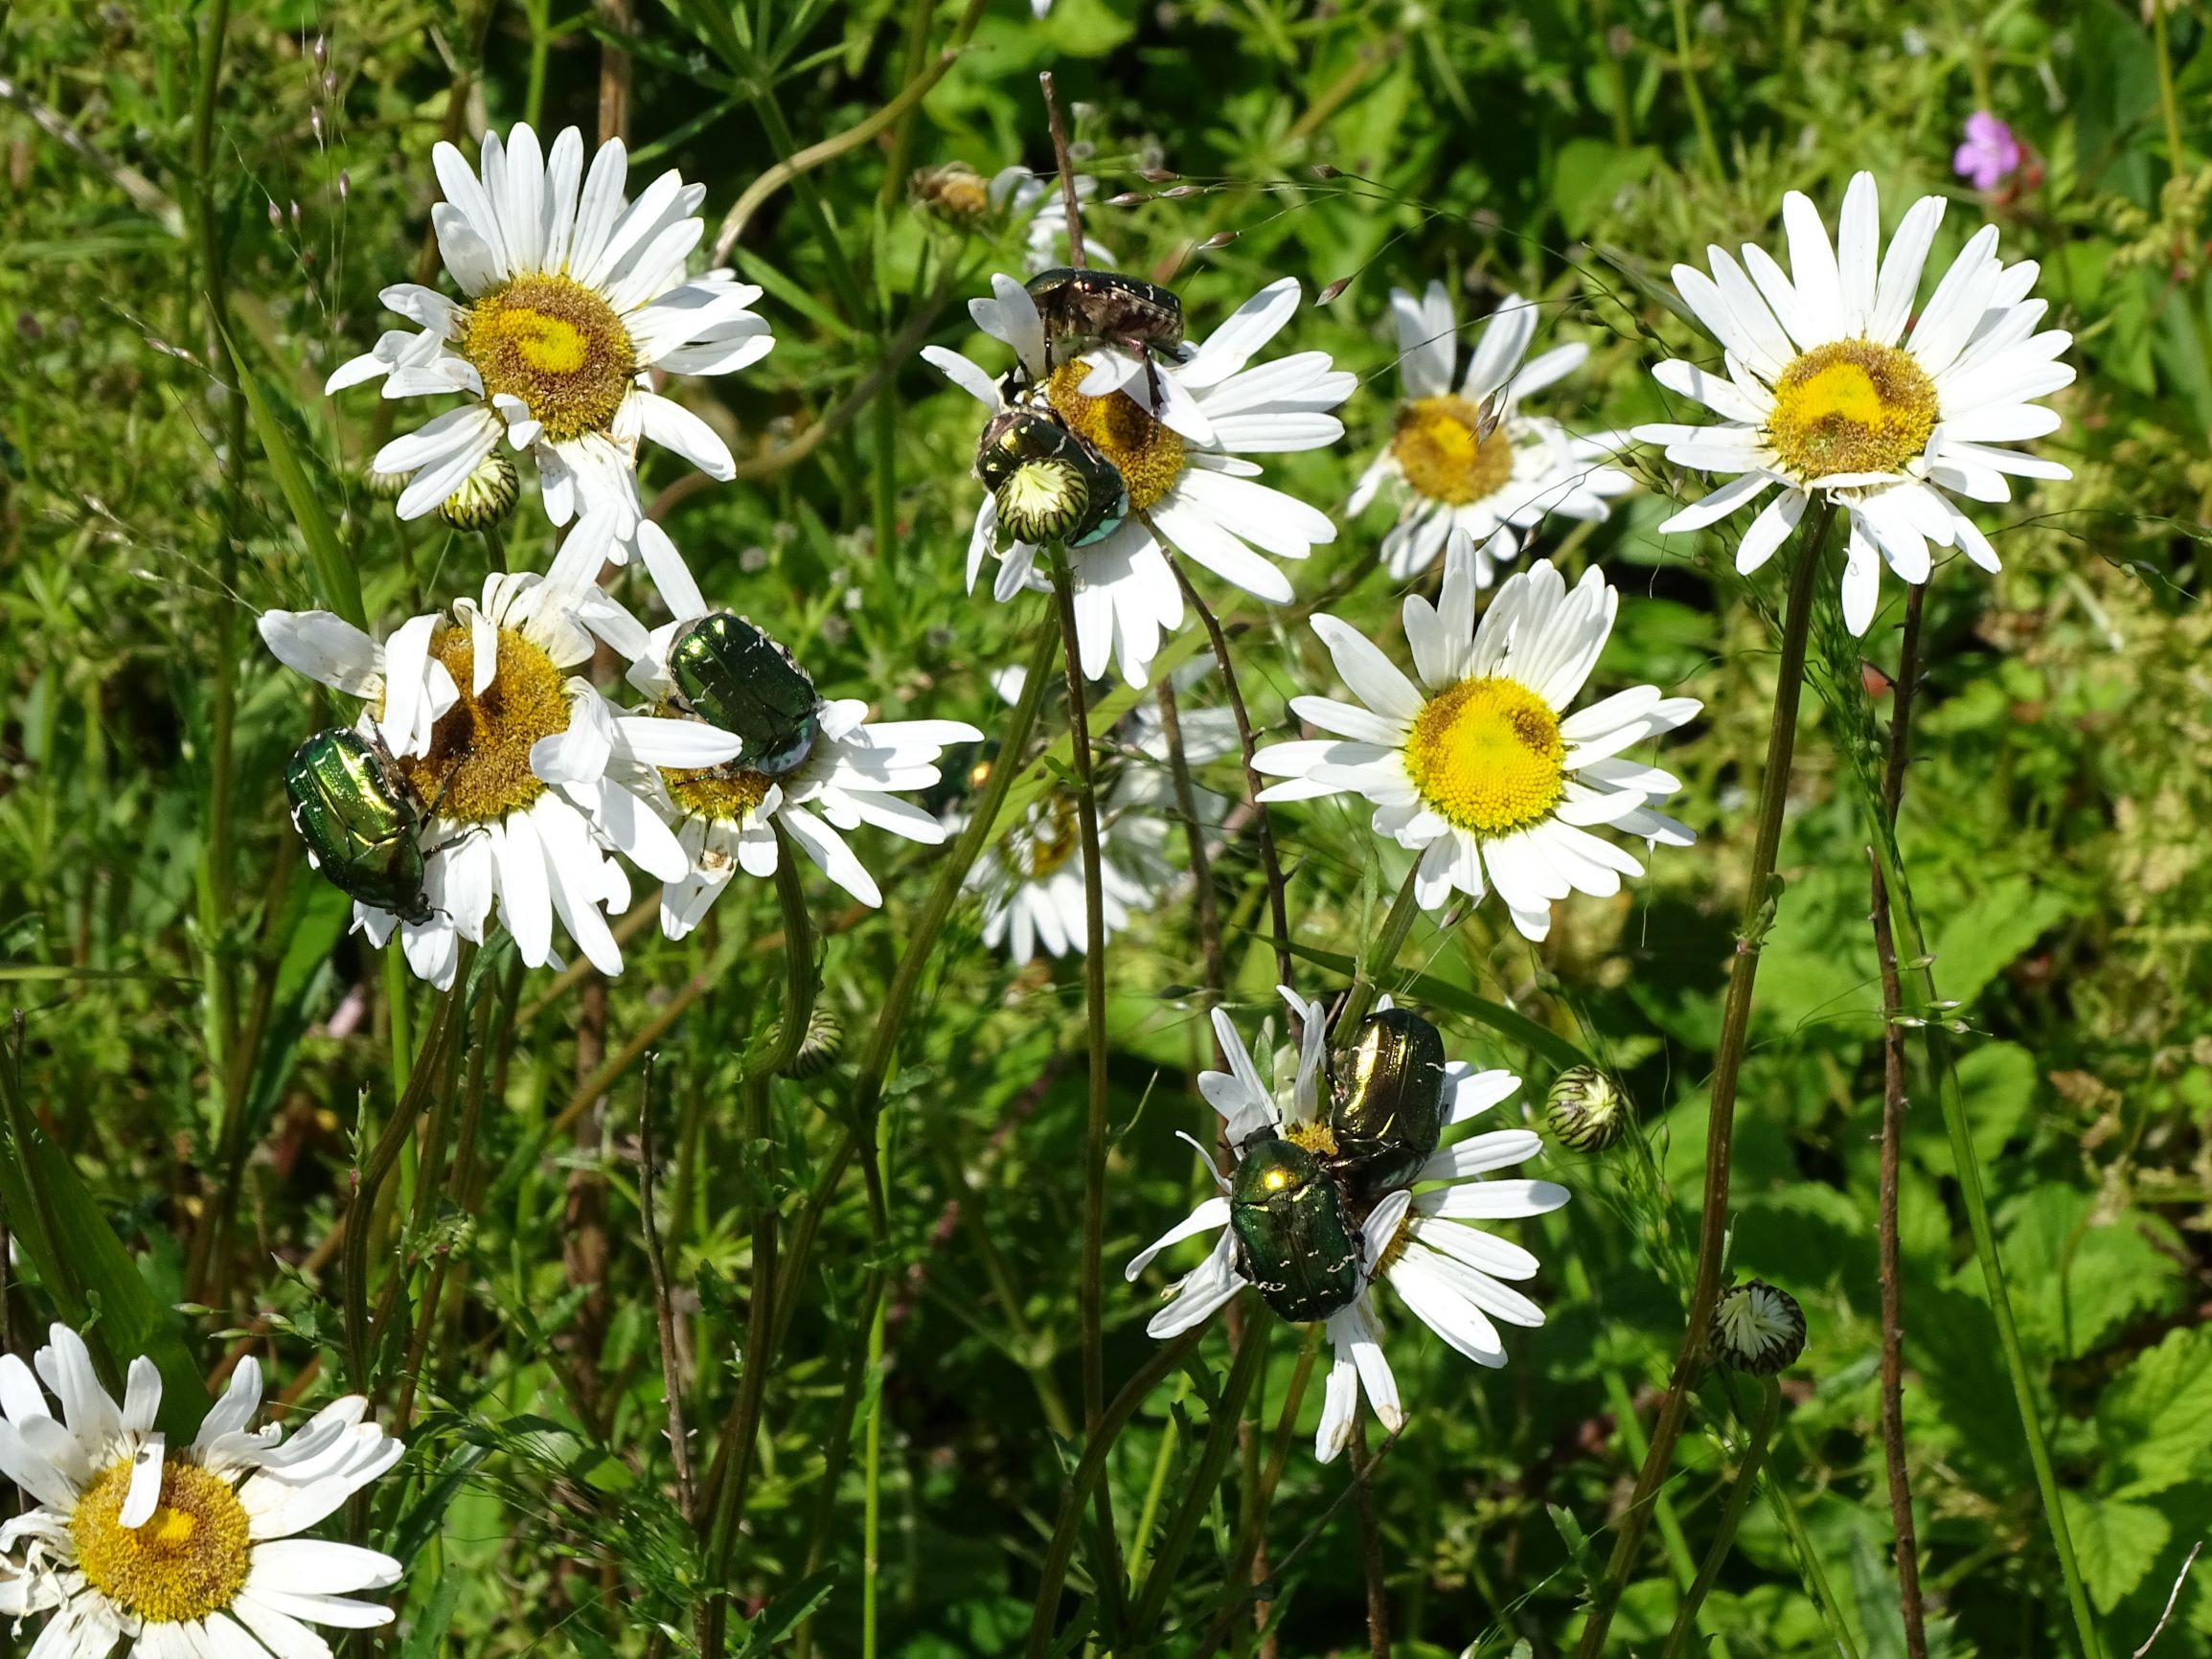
[
  {"x": 2169, "y": 105},
  {"x": 1727, "y": 1061},
  {"x": 1165, "y": 1361},
  {"x": 727, "y": 1511},
  {"x": 1148, "y": 1517},
  {"x": 1731, "y": 1515},
  {"x": 872, "y": 1493},
  {"x": 1686, "y": 66},
  {"x": 1239, "y": 1579},
  {"x": 1397, "y": 924},
  {"x": 1213, "y": 1460}
]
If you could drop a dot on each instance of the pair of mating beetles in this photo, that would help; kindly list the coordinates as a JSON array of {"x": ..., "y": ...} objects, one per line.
[
  {"x": 1295, "y": 1212},
  {"x": 362, "y": 820},
  {"x": 1049, "y": 484}
]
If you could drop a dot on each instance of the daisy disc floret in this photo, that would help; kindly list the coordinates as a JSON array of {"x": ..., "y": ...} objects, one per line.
[
  {"x": 1826, "y": 392},
  {"x": 512, "y": 759},
  {"x": 1180, "y": 451},
  {"x": 1464, "y": 455},
  {"x": 847, "y": 771},
  {"x": 1481, "y": 768},
  {"x": 1452, "y": 1276},
  {"x": 186, "y": 1550},
  {"x": 572, "y": 299}
]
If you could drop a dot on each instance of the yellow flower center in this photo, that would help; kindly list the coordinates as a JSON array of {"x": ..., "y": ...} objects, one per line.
[
  {"x": 722, "y": 794},
  {"x": 1147, "y": 455},
  {"x": 189, "y": 1559},
  {"x": 1316, "y": 1137},
  {"x": 478, "y": 768},
  {"x": 1441, "y": 450},
  {"x": 555, "y": 344},
  {"x": 1851, "y": 406},
  {"x": 1043, "y": 845},
  {"x": 1487, "y": 756}
]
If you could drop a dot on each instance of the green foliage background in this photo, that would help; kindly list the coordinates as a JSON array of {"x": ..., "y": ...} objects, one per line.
[{"x": 2056, "y": 816}]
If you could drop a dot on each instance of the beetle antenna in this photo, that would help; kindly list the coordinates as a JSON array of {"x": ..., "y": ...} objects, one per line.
[{"x": 1075, "y": 255}]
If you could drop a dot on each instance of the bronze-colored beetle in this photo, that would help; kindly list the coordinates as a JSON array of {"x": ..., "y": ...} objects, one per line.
[{"x": 1386, "y": 1108}]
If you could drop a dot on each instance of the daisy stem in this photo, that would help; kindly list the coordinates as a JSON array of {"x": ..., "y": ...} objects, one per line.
[
  {"x": 726, "y": 1513},
  {"x": 1731, "y": 1515},
  {"x": 1397, "y": 924},
  {"x": 383, "y": 1158},
  {"x": 1094, "y": 980},
  {"x": 1892, "y": 1291},
  {"x": 1278, "y": 903},
  {"x": 1727, "y": 1061},
  {"x": 1220, "y": 1442},
  {"x": 1166, "y": 1359}
]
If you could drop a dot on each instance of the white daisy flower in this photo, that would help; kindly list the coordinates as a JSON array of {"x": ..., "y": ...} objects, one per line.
[
  {"x": 1470, "y": 459},
  {"x": 514, "y": 758},
  {"x": 573, "y": 300},
  {"x": 1827, "y": 393},
  {"x": 1481, "y": 768},
  {"x": 1448, "y": 1274},
  {"x": 1031, "y": 880},
  {"x": 849, "y": 774},
  {"x": 185, "y": 1553},
  {"x": 1189, "y": 486}
]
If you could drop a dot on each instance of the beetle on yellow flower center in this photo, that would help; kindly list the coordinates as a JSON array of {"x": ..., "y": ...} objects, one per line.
[
  {"x": 1487, "y": 756},
  {"x": 1851, "y": 406},
  {"x": 478, "y": 768},
  {"x": 1148, "y": 455}
]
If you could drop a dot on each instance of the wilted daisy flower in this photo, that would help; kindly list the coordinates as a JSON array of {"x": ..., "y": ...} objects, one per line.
[
  {"x": 1189, "y": 486},
  {"x": 826, "y": 769},
  {"x": 184, "y": 1552},
  {"x": 1448, "y": 1274},
  {"x": 1031, "y": 880},
  {"x": 1828, "y": 393},
  {"x": 1481, "y": 768},
  {"x": 573, "y": 297},
  {"x": 512, "y": 758},
  {"x": 1469, "y": 459}
]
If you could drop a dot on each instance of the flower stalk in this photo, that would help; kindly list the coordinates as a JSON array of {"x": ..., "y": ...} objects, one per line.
[{"x": 1720, "y": 1118}]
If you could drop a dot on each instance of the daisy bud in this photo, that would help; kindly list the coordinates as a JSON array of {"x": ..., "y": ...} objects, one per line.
[
  {"x": 1758, "y": 1329},
  {"x": 1043, "y": 500},
  {"x": 1585, "y": 1110},
  {"x": 486, "y": 497},
  {"x": 818, "y": 1050},
  {"x": 385, "y": 486}
]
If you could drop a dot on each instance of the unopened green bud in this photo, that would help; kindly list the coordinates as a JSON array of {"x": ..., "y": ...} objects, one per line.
[
  {"x": 486, "y": 497},
  {"x": 1043, "y": 500},
  {"x": 385, "y": 486},
  {"x": 1586, "y": 1109},
  {"x": 1758, "y": 1329},
  {"x": 818, "y": 1051}
]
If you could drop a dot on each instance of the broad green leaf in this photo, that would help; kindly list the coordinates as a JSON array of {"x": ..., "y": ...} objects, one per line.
[
  {"x": 1997, "y": 1082},
  {"x": 2156, "y": 1420},
  {"x": 2118, "y": 1544},
  {"x": 1975, "y": 943},
  {"x": 2077, "y": 1274}
]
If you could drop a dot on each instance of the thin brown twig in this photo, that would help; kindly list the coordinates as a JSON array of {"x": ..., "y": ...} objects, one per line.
[
  {"x": 1059, "y": 153},
  {"x": 1371, "y": 1546},
  {"x": 1893, "y": 1102}
]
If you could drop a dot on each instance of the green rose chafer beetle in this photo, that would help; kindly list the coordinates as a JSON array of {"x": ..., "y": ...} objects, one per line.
[
  {"x": 1294, "y": 1242},
  {"x": 1386, "y": 1106},
  {"x": 1049, "y": 485},
  {"x": 733, "y": 675},
  {"x": 361, "y": 820}
]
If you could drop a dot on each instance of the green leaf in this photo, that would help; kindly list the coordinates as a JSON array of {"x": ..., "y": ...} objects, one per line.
[
  {"x": 2155, "y": 1420},
  {"x": 91, "y": 1277},
  {"x": 786, "y": 1612},
  {"x": 1997, "y": 1082},
  {"x": 419, "y": 1523},
  {"x": 337, "y": 581},
  {"x": 1587, "y": 176},
  {"x": 1976, "y": 942},
  {"x": 2079, "y": 1275},
  {"x": 2118, "y": 1544},
  {"x": 427, "y": 1640},
  {"x": 1509, "y": 1023}
]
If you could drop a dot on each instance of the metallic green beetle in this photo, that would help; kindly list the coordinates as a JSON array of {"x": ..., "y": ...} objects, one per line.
[
  {"x": 360, "y": 822},
  {"x": 1293, "y": 1240},
  {"x": 737, "y": 678},
  {"x": 1387, "y": 1103},
  {"x": 1049, "y": 484}
]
